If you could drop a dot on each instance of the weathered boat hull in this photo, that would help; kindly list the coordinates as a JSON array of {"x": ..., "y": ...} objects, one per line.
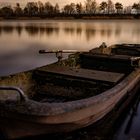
[
  {"x": 29, "y": 117},
  {"x": 29, "y": 125}
]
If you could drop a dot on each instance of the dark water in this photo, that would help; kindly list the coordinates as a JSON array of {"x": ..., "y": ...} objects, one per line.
[
  {"x": 20, "y": 42},
  {"x": 130, "y": 126}
]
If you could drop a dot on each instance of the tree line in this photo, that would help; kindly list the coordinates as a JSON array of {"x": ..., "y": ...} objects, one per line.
[{"x": 48, "y": 9}]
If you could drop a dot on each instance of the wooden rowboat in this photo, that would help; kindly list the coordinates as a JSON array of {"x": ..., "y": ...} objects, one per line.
[{"x": 69, "y": 94}]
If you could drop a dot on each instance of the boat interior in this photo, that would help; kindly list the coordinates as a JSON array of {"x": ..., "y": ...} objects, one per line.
[{"x": 82, "y": 75}]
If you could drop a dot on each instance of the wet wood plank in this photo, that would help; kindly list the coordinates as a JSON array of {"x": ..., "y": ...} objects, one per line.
[{"x": 83, "y": 73}]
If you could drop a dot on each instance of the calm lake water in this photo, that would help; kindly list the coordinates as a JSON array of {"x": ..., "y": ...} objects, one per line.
[{"x": 20, "y": 42}]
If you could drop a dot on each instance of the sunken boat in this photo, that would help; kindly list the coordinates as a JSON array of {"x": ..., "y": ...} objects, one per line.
[{"x": 69, "y": 94}]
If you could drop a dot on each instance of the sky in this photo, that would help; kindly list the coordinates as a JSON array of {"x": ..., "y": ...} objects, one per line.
[{"x": 63, "y": 2}]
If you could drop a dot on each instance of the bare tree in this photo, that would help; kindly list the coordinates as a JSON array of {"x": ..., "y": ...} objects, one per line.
[
  {"x": 88, "y": 6},
  {"x": 93, "y": 6},
  {"x": 110, "y": 7},
  {"x": 79, "y": 8}
]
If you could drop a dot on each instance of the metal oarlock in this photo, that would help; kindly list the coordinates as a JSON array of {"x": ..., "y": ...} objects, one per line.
[{"x": 59, "y": 53}]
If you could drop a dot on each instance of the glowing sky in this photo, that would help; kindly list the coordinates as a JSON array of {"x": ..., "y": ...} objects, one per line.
[{"x": 62, "y": 2}]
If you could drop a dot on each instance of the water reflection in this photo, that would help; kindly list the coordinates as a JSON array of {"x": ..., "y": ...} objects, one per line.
[
  {"x": 34, "y": 30},
  {"x": 90, "y": 31},
  {"x": 132, "y": 114},
  {"x": 19, "y": 36},
  {"x": 129, "y": 129}
]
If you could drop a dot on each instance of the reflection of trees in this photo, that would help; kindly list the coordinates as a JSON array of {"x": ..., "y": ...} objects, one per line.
[
  {"x": 69, "y": 30},
  {"x": 8, "y": 29},
  {"x": 106, "y": 32},
  {"x": 32, "y": 30},
  {"x": 90, "y": 33},
  {"x": 56, "y": 30},
  {"x": 102, "y": 32},
  {"x": 109, "y": 32},
  {"x": 49, "y": 30},
  {"x": 0, "y": 30},
  {"x": 19, "y": 29},
  {"x": 79, "y": 31},
  {"x": 117, "y": 32}
]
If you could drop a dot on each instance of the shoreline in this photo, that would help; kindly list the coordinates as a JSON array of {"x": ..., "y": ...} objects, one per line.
[{"x": 75, "y": 17}]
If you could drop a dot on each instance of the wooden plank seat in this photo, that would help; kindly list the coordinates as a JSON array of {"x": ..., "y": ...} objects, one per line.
[
  {"x": 80, "y": 73},
  {"x": 104, "y": 62}
]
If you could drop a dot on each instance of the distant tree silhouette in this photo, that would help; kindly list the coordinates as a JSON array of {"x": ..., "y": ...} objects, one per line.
[
  {"x": 136, "y": 6},
  {"x": 56, "y": 9},
  {"x": 48, "y": 8},
  {"x": 79, "y": 8},
  {"x": 119, "y": 7},
  {"x": 31, "y": 9},
  {"x": 91, "y": 6},
  {"x": 40, "y": 9},
  {"x": 69, "y": 9},
  {"x": 7, "y": 11},
  {"x": 110, "y": 7},
  {"x": 18, "y": 11},
  {"x": 103, "y": 6}
]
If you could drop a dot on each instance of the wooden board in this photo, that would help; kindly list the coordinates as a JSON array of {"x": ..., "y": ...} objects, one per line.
[{"x": 82, "y": 73}]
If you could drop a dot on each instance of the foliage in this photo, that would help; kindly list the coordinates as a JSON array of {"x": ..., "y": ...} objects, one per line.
[
  {"x": 118, "y": 7},
  {"x": 39, "y": 9},
  {"x": 103, "y": 6}
]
